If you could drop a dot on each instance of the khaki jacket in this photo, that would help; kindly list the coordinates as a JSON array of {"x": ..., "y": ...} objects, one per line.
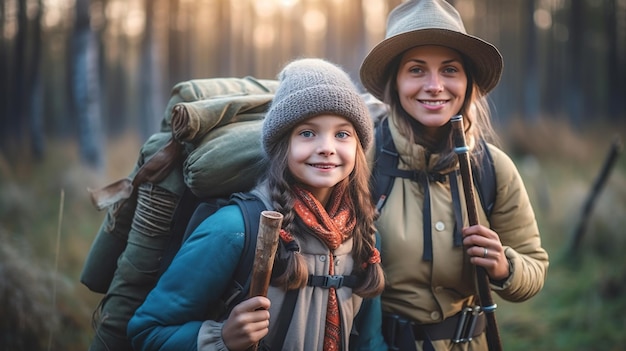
[{"x": 429, "y": 292}]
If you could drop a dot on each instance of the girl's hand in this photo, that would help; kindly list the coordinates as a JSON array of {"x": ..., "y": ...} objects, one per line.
[
  {"x": 247, "y": 323},
  {"x": 485, "y": 250}
]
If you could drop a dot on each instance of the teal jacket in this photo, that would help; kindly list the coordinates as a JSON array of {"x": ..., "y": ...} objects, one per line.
[{"x": 173, "y": 315}]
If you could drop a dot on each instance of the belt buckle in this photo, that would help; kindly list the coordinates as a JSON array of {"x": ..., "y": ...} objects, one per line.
[{"x": 466, "y": 325}]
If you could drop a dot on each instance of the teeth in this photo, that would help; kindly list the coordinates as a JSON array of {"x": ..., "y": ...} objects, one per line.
[{"x": 433, "y": 103}]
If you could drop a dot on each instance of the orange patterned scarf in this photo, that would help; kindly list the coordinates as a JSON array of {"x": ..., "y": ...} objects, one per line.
[{"x": 333, "y": 227}]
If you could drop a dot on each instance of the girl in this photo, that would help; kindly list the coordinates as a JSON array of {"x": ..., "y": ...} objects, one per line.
[
  {"x": 314, "y": 135},
  {"x": 427, "y": 70}
]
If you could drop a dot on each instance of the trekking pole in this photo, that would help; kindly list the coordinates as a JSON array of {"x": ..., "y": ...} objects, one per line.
[
  {"x": 484, "y": 292},
  {"x": 266, "y": 245}
]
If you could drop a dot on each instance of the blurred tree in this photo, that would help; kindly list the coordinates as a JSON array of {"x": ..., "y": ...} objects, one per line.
[
  {"x": 151, "y": 78},
  {"x": 4, "y": 82},
  {"x": 86, "y": 88},
  {"x": 553, "y": 64},
  {"x": 34, "y": 98},
  {"x": 575, "y": 98},
  {"x": 532, "y": 86},
  {"x": 123, "y": 70},
  {"x": 616, "y": 59},
  {"x": 178, "y": 43},
  {"x": 21, "y": 122}
]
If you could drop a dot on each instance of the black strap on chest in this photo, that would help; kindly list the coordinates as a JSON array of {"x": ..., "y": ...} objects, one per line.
[
  {"x": 332, "y": 281},
  {"x": 385, "y": 171}
]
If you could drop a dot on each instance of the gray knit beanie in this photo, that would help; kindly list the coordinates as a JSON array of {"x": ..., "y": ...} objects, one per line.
[{"x": 311, "y": 87}]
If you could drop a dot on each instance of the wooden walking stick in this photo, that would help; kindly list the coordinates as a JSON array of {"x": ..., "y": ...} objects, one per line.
[
  {"x": 266, "y": 245},
  {"x": 484, "y": 292}
]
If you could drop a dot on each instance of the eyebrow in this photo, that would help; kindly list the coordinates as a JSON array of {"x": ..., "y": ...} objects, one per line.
[{"x": 424, "y": 62}]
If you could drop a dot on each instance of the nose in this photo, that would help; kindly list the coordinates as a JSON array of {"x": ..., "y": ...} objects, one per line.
[
  {"x": 326, "y": 145},
  {"x": 433, "y": 84}
]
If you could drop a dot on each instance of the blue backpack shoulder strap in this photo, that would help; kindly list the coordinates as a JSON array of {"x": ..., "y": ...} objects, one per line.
[{"x": 386, "y": 170}]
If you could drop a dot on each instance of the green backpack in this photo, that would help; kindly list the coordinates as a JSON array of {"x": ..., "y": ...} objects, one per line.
[{"x": 208, "y": 148}]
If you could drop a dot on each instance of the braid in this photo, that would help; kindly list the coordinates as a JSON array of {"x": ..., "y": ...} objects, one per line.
[
  {"x": 372, "y": 280},
  {"x": 290, "y": 270}
]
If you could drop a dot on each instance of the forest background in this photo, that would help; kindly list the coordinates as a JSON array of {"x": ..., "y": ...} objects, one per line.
[{"x": 83, "y": 83}]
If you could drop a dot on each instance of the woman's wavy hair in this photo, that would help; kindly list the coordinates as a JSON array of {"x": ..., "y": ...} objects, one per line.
[
  {"x": 291, "y": 272},
  {"x": 475, "y": 111}
]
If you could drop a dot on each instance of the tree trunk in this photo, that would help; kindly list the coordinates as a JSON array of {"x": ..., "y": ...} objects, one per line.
[
  {"x": 530, "y": 108},
  {"x": 86, "y": 89},
  {"x": 575, "y": 97},
  {"x": 35, "y": 98},
  {"x": 615, "y": 73},
  {"x": 151, "y": 91}
]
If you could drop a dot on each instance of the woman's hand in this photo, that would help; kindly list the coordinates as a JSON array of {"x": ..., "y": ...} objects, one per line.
[
  {"x": 247, "y": 323},
  {"x": 485, "y": 250}
]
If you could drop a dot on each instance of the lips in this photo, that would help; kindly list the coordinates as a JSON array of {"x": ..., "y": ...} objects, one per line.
[
  {"x": 433, "y": 102},
  {"x": 323, "y": 165}
]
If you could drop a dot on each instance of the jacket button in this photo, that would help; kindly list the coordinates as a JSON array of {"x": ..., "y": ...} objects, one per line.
[
  {"x": 323, "y": 258},
  {"x": 439, "y": 226},
  {"x": 435, "y": 315}
]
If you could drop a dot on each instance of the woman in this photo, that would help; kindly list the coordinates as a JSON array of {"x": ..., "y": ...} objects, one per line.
[
  {"x": 427, "y": 70},
  {"x": 314, "y": 135}
]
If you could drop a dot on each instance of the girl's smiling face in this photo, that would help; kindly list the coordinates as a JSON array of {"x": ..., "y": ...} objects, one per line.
[
  {"x": 322, "y": 152},
  {"x": 431, "y": 84}
]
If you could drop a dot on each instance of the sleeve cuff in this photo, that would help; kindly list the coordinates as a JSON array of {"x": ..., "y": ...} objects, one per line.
[{"x": 210, "y": 337}]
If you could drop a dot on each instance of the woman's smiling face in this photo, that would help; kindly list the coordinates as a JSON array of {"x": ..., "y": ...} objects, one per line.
[{"x": 431, "y": 84}]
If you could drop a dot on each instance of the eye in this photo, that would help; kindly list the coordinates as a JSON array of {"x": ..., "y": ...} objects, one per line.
[
  {"x": 451, "y": 69},
  {"x": 307, "y": 133},
  {"x": 415, "y": 70},
  {"x": 342, "y": 135}
]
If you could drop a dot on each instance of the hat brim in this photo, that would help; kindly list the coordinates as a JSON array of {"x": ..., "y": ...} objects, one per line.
[{"x": 485, "y": 63}]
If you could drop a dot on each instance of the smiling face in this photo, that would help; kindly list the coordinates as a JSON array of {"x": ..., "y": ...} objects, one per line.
[
  {"x": 322, "y": 152},
  {"x": 431, "y": 84}
]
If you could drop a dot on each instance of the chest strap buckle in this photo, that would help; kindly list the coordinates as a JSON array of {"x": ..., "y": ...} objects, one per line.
[{"x": 332, "y": 281}]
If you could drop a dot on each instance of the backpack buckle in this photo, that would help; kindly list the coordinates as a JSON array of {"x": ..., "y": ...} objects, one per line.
[
  {"x": 326, "y": 281},
  {"x": 333, "y": 281}
]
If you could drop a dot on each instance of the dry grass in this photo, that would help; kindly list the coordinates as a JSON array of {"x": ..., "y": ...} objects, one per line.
[
  {"x": 580, "y": 308},
  {"x": 29, "y": 210}
]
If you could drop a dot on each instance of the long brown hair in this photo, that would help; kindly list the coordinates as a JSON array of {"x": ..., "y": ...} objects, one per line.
[{"x": 294, "y": 273}]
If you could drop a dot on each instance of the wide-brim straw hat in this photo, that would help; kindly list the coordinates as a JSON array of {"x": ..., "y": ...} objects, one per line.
[{"x": 430, "y": 22}]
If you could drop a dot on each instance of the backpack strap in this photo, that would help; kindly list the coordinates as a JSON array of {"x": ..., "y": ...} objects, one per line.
[
  {"x": 386, "y": 169},
  {"x": 189, "y": 213},
  {"x": 282, "y": 324},
  {"x": 251, "y": 208},
  {"x": 385, "y": 165},
  {"x": 332, "y": 281}
]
